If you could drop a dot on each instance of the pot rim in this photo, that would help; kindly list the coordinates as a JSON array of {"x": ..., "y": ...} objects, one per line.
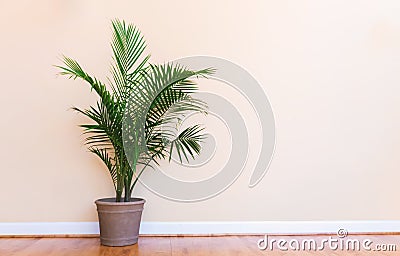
[{"x": 111, "y": 201}]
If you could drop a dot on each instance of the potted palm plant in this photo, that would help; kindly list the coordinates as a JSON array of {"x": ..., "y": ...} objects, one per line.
[{"x": 134, "y": 123}]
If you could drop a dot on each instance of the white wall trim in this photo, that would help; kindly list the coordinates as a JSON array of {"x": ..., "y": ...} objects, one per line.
[{"x": 197, "y": 228}]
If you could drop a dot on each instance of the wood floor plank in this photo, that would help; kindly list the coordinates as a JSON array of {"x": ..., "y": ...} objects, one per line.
[
  {"x": 189, "y": 246},
  {"x": 12, "y": 246},
  {"x": 178, "y": 246},
  {"x": 160, "y": 246}
]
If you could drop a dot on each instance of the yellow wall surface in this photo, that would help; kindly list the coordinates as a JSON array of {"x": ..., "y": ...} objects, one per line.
[{"x": 330, "y": 69}]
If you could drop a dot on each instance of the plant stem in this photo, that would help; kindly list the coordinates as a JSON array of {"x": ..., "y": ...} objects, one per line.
[
  {"x": 137, "y": 178},
  {"x": 118, "y": 191},
  {"x": 118, "y": 196},
  {"x": 127, "y": 191}
]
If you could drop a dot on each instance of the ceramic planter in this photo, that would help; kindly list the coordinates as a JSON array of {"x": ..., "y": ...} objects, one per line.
[{"x": 119, "y": 221}]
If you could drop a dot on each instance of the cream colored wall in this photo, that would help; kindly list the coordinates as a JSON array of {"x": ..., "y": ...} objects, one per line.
[{"x": 330, "y": 69}]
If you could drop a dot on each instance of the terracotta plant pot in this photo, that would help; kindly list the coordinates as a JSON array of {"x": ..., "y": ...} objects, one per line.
[{"x": 119, "y": 221}]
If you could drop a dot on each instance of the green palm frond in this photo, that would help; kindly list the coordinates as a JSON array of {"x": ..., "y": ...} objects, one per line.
[
  {"x": 188, "y": 142},
  {"x": 172, "y": 103},
  {"x": 166, "y": 89},
  {"x": 161, "y": 88},
  {"x": 108, "y": 161},
  {"x": 73, "y": 70},
  {"x": 106, "y": 129},
  {"x": 164, "y": 77},
  {"x": 128, "y": 46}
]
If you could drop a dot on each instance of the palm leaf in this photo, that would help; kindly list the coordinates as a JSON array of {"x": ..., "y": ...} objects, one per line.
[
  {"x": 128, "y": 45},
  {"x": 187, "y": 143},
  {"x": 108, "y": 161}
]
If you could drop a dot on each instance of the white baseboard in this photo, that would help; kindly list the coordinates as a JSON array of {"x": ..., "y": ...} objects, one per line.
[{"x": 197, "y": 228}]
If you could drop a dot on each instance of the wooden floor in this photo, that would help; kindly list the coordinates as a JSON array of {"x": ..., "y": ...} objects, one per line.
[{"x": 218, "y": 245}]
